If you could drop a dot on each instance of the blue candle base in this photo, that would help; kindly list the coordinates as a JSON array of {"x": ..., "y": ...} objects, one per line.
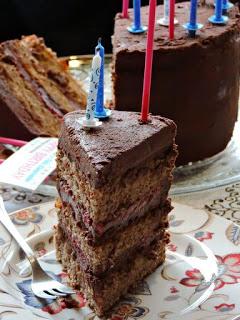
[
  {"x": 133, "y": 29},
  {"x": 227, "y": 6},
  {"x": 213, "y": 19},
  {"x": 192, "y": 29},
  {"x": 103, "y": 114}
]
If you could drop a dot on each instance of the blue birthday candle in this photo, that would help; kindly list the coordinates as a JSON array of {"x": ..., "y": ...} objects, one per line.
[
  {"x": 218, "y": 9},
  {"x": 218, "y": 17},
  {"x": 100, "y": 111},
  {"x": 137, "y": 26},
  {"x": 137, "y": 13},
  {"x": 193, "y": 13},
  {"x": 192, "y": 26}
]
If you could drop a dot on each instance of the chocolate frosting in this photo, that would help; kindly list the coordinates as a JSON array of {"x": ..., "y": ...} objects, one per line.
[
  {"x": 125, "y": 41},
  {"x": 195, "y": 82},
  {"x": 119, "y": 144}
]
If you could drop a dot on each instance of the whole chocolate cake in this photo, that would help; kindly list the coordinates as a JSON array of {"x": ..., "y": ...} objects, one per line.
[
  {"x": 195, "y": 81},
  {"x": 113, "y": 184}
]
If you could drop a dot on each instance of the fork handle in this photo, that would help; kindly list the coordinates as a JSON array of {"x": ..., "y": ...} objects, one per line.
[{"x": 6, "y": 221}]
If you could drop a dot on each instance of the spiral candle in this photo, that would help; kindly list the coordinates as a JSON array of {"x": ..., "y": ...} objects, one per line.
[
  {"x": 100, "y": 111},
  {"x": 89, "y": 121}
]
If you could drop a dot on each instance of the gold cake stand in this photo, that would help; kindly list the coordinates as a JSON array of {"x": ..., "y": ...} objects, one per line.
[{"x": 219, "y": 170}]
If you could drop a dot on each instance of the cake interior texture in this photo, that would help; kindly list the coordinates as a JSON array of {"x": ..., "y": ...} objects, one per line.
[
  {"x": 188, "y": 85},
  {"x": 36, "y": 90},
  {"x": 113, "y": 208}
]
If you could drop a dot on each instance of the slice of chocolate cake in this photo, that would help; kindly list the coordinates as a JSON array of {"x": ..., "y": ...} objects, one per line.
[
  {"x": 36, "y": 90},
  {"x": 113, "y": 184}
]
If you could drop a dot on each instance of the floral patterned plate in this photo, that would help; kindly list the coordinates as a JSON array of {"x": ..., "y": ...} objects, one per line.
[{"x": 200, "y": 278}]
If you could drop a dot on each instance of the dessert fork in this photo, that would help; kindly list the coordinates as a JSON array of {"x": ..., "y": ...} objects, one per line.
[{"x": 43, "y": 286}]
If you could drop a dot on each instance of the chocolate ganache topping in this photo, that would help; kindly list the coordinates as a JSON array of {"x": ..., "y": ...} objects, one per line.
[{"x": 119, "y": 144}]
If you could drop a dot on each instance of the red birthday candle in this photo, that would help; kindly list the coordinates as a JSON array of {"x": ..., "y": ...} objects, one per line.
[
  {"x": 125, "y": 5},
  {"x": 13, "y": 142},
  {"x": 148, "y": 61},
  {"x": 171, "y": 19}
]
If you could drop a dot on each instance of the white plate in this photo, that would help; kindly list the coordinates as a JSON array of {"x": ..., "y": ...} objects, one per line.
[{"x": 193, "y": 283}]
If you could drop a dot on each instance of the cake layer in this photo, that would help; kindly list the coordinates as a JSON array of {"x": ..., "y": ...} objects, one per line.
[
  {"x": 122, "y": 143},
  {"x": 140, "y": 190},
  {"x": 113, "y": 252},
  {"x": 103, "y": 293},
  {"x": 56, "y": 71},
  {"x": 195, "y": 81},
  {"x": 17, "y": 101}
]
